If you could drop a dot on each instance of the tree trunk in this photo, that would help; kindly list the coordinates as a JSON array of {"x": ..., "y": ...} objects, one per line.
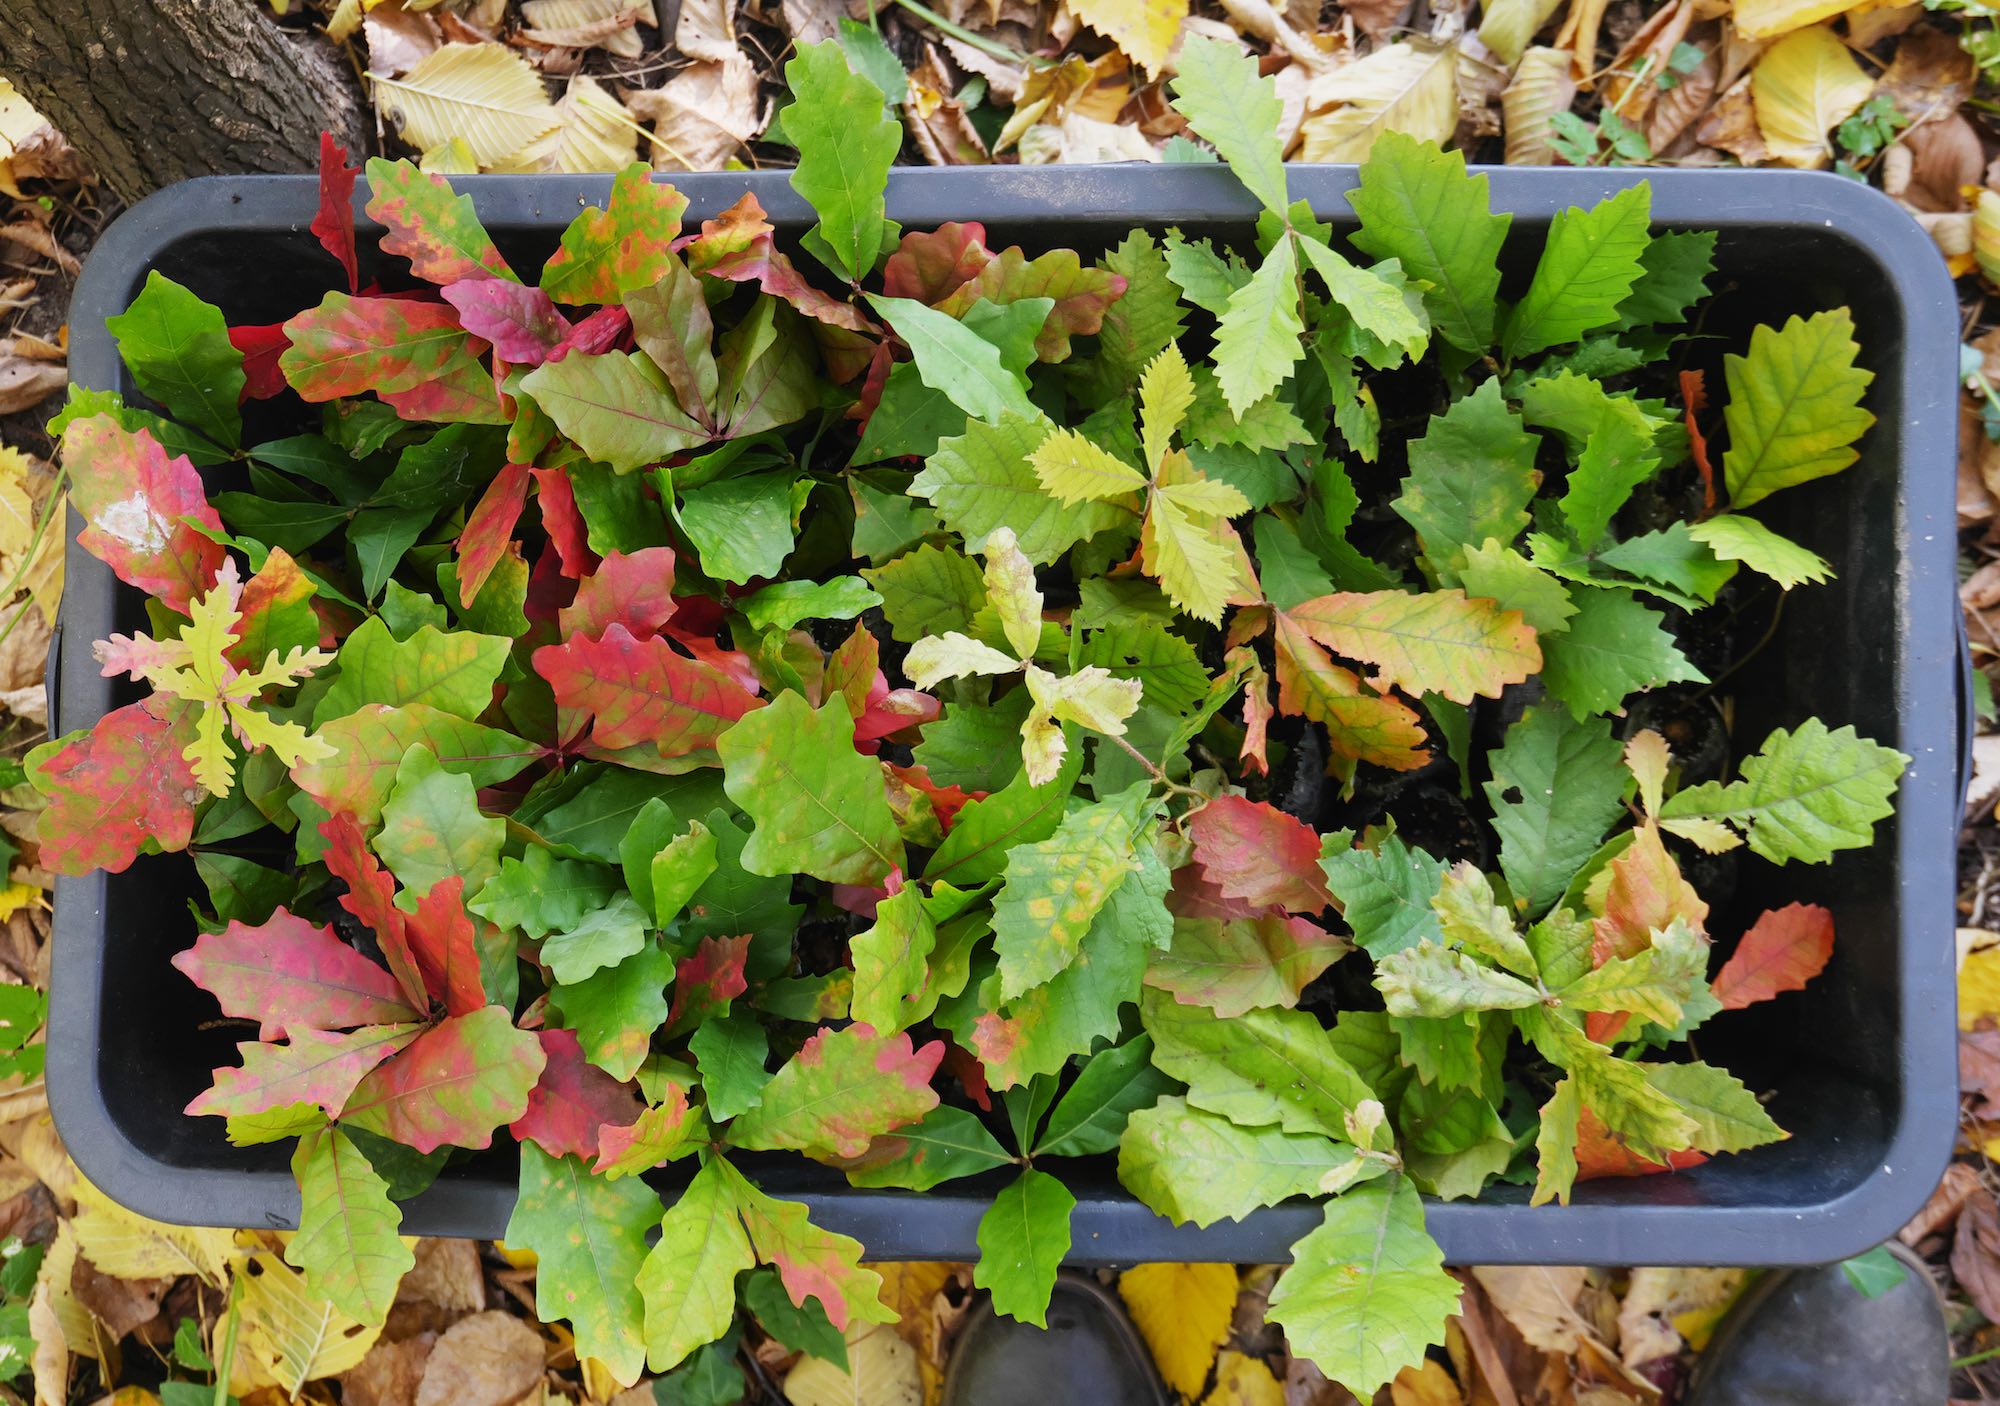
[{"x": 155, "y": 91}]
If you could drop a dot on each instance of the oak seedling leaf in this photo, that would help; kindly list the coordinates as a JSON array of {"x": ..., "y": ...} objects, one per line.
[
  {"x": 1441, "y": 641},
  {"x": 708, "y": 979},
  {"x": 1193, "y": 1166},
  {"x": 627, "y": 245},
  {"x": 1472, "y": 474},
  {"x": 521, "y": 323},
  {"x": 1588, "y": 265},
  {"x": 437, "y": 231},
  {"x": 489, "y": 530},
  {"x": 618, "y": 406},
  {"x": 134, "y": 500},
  {"x": 1253, "y": 851},
  {"x": 687, "y": 1283},
  {"x": 444, "y": 944},
  {"x": 843, "y": 1088},
  {"x": 944, "y": 1144},
  {"x": 1557, "y": 787},
  {"x": 179, "y": 352},
  {"x": 892, "y": 964},
  {"x": 615, "y": 1011},
  {"x": 818, "y": 805},
  {"x": 1417, "y": 205},
  {"x": 813, "y": 1263},
  {"x": 1367, "y": 1292},
  {"x": 1266, "y": 1067},
  {"x": 1055, "y": 887},
  {"x": 117, "y": 788},
  {"x": 588, "y": 1236},
  {"x": 1360, "y": 726},
  {"x": 1794, "y": 409},
  {"x": 633, "y": 589},
  {"x": 351, "y": 346},
  {"x": 333, "y": 223},
  {"x": 347, "y": 1241},
  {"x": 602, "y": 938},
  {"x": 454, "y": 1084},
  {"x": 1783, "y": 950},
  {"x": 1218, "y": 89},
  {"x": 368, "y": 746},
  {"x": 730, "y": 1052},
  {"x": 434, "y": 832},
  {"x": 847, "y": 142},
  {"x": 291, "y": 975},
  {"x": 312, "y": 1068},
  {"x": 371, "y": 897},
  {"x": 1023, "y": 1238},
  {"x": 643, "y": 690},
  {"x": 661, "y": 1131},
  {"x": 1231, "y": 965}
]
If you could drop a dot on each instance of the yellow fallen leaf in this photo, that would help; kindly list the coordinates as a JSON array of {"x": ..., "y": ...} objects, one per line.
[
  {"x": 56, "y": 1303},
  {"x": 1658, "y": 1298},
  {"x": 881, "y": 1371},
  {"x": 1698, "y": 1325},
  {"x": 596, "y": 134},
  {"x": 1539, "y": 1300},
  {"x": 1425, "y": 1385},
  {"x": 17, "y": 510},
  {"x": 285, "y": 1336},
  {"x": 519, "y": 1259},
  {"x": 1541, "y": 87},
  {"x": 484, "y": 93},
  {"x": 1806, "y": 84},
  {"x": 15, "y": 897},
  {"x": 1182, "y": 1311},
  {"x": 1243, "y": 1381},
  {"x": 126, "y": 1245},
  {"x": 1410, "y": 88},
  {"x": 1767, "y": 19},
  {"x": 1979, "y": 973},
  {"x": 1986, "y": 253},
  {"x": 1144, "y": 29},
  {"x": 1508, "y": 26}
]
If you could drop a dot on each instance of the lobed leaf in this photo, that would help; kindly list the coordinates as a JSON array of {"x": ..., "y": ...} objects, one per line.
[
  {"x": 347, "y": 1241},
  {"x": 842, "y": 1089},
  {"x": 1805, "y": 794},
  {"x": 1794, "y": 408}
]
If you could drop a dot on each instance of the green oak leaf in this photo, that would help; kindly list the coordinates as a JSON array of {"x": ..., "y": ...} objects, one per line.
[
  {"x": 1055, "y": 888},
  {"x": 1218, "y": 90},
  {"x": 687, "y": 1282},
  {"x": 846, "y": 143},
  {"x": 1090, "y": 1116},
  {"x": 432, "y": 829},
  {"x": 588, "y": 1235},
  {"x": 453, "y": 672},
  {"x": 1418, "y": 206},
  {"x": 602, "y": 938},
  {"x": 540, "y": 894},
  {"x": 1022, "y": 1240},
  {"x": 1794, "y": 408},
  {"x": 1367, "y": 1293},
  {"x": 840, "y": 1090},
  {"x": 1805, "y": 794},
  {"x": 1588, "y": 266},
  {"x": 178, "y": 350},
  {"x": 1385, "y": 892},
  {"x": 1265, "y": 1067},
  {"x": 1613, "y": 647},
  {"x": 1471, "y": 477},
  {"x": 892, "y": 964},
  {"x": 1557, "y": 786},
  {"x": 347, "y": 1240},
  {"x": 730, "y": 1051},
  {"x": 615, "y": 1011},
  {"x": 946, "y": 1143},
  {"x": 1189, "y": 1165},
  {"x": 819, "y": 806}
]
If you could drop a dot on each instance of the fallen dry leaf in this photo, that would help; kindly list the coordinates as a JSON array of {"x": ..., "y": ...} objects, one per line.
[
  {"x": 389, "y": 1375},
  {"x": 1945, "y": 1202},
  {"x": 1539, "y": 1300},
  {"x": 489, "y": 1359},
  {"x": 1930, "y": 167},
  {"x": 1182, "y": 1311},
  {"x": 1646, "y": 1329},
  {"x": 881, "y": 1371},
  {"x": 447, "y": 1273},
  {"x": 1930, "y": 76},
  {"x": 121, "y": 1305},
  {"x": 702, "y": 116},
  {"x": 398, "y": 40},
  {"x": 706, "y": 29},
  {"x": 1542, "y": 87},
  {"x": 25, "y": 383},
  {"x": 1410, "y": 88},
  {"x": 1731, "y": 126},
  {"x": 1805, "y": 85}
]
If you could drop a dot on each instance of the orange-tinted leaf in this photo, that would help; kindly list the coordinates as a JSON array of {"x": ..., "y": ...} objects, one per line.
[
  {"x": 574, "y": 1101},
  {"x": 434, "y": 229},
  {"x": 371, "y": 897},
  {"x": 276, "y": 610},
  {"x": 628, "y": 244},
  {"x": 813, "y": 1263},
  {"x": 1257, "y": 712},
  {"x": 461, "y": 393},
  {"x": 290, "y": 975},
  {"x": 134, "y": 498},
  {"x": 117, "y": 786},
  {"x": 1784, "y": 949},
  {"x": 440, "y": 936},
  {"x": 489, "y": 527},
  {"x": 1440, "y": 642},
  {"x": 563, "y": 522},
  {"x": 639, "y": 1146},
  {"x": 1082, "y": 293},
  {"x": 635, "y": 590},
  {"x": 738, "y": 246},
  {"x": 454, "y": 1084},
  {"x": 333, "y": 225},
  {"x": 315, "y": 1067},
  {"x": 1239, "y": 964},
  {"x": 1254, "y": 851},
  {"x": 351, "y": 346},
  {"x": 842, "y": 1089},
  {"x": 930, "y": 266},
  {"x": 643, "y": 691},
  {"x": 1645, "y": 893},
  {"x": 1359, "y": 726},
  {"x": 1601, "y": 1153}
]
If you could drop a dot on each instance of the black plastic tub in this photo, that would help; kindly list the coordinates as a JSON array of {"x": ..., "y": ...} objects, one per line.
[{"x": 1862, "y": 1066}]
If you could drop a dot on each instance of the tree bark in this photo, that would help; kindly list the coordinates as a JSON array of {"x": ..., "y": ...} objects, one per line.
[{"x": 156, "y": 91}]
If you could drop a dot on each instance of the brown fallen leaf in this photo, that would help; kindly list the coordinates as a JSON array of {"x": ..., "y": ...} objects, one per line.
[
  {"x": 24, "y": 384},
  {"x": 937, "y": 121},
  {"x": 1975, "y": 1252},
  {"x": 1868, "y": 27},
  {"x": 706, "y": 30},
  {"x": 447, "y": 1273},
  {"x": 1634, "y": 84},
  {"x": 1976, "y": 501},
  {"x": 1539, "y": 1300},
  {"x": 1929, "y": 77},
  {"x": 702, "y": 116},
  {"x": 489, "y": 1359},
  {"x": 1306, "y": 1385},
  {"x": 1675, "y": 110},
  {"x": 121, "y": 1305},
  {"x": 1542, "y": 86},
  {"x": 1376, "y": 18},
  {"x": 389, "y": 1375},
  {"x": 1731, "y": 126},
  {"x": 1942, "y": 1208},
  {"x": 1929, "y": 169},
  {"x": 397, "y": 39}
]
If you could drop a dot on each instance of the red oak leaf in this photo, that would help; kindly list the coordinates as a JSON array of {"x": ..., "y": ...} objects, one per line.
[
  {"x": 946, "y": 801},
  {"x": 1256, "y": 852},
  {"x": 489, "y": 527},
  {"x": 276, "y": 612},
  {"x": 371, "y": 897},
  {"x": 430, "y": 225},
  {"x": 737, "y": 245},
  {"x": 1193, "y": 896},
  {"x": 563, "y": 522},
  {"x": 333, "y": 225},
  {"x": 1257, "y": 712},
  {"x": 440, "y": 936},
  {"x": 261, "y": 348},
  {"x": 635, "y": 590},
  {"x": 881, "y": 360},
  {"x": 963, "y": 1065},
  {"x": 1784, "y": 949},
  {"x": 1694, "y": 400},
  {"x": 455, "y": 1083},
  {"x": 1601, "y": 1153},
  {"x": 521, "y": 322},
  {"x": 291, "y": 975},
  {"x": 134, "y": 497},
  {"x": 643, "y": 691},
  {"x": 316, "y": 1067},
  {"x": 891, "y": 710},
  {"x": 929, "y": 267},
  {"x": 600, "y": 332},
  {"x": 644, "y": 1143},
  {"x": 573, "y": 1101},
  {"x": 708, "y": 980},
  {"x": 124, "y": 782},
  {"x": 463, "y": 393}
]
